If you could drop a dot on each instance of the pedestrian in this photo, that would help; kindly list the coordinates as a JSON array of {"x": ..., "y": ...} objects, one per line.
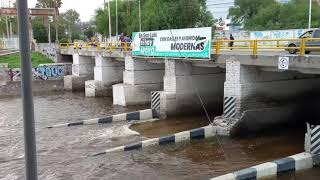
[
  {"x": 231, "y": 41},
  {"x": 122, "y": 38}
]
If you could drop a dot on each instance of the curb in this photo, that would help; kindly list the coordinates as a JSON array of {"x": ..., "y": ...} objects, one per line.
[
  {"x": 131, "y": 116},
  {"x": 199, "y": 133},
  {"x": 293, "y": 163}
]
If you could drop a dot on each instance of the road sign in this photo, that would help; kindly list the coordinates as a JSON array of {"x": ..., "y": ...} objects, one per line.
[{"x": 283, "y": 63}]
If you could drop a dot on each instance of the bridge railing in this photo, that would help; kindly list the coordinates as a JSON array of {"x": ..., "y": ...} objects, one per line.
[
  {"x": 302, "y": 45},
  {"x": 110, "y": 47}
]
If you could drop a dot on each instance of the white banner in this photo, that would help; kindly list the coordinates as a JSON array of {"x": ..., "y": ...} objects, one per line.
[{"x": 192, "y": 43}]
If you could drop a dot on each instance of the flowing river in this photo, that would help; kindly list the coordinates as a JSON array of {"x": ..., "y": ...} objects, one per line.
[{"x": 64, "y": 153}]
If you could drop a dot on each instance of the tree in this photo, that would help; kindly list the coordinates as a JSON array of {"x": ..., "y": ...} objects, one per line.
[
  {"x": 156, "y": 15},
  {"x": 245, "y": 10},
  {"x": 89, "y": 32},
  {"x": 39, "y": 30},
  {"x": 270, "y": 14},
  {"x": 69, "y": 20},
  {"x": 56, "y": 4}
]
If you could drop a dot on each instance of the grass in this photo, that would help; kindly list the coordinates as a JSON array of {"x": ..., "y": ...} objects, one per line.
[{"x": 14, "y": 59}]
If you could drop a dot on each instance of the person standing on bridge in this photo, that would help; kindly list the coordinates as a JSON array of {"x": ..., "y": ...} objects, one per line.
[{"x": 231, "y": 41}]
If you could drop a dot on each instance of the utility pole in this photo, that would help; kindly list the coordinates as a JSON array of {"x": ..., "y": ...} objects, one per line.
[
  {"x": 26, "y": 87},
  {"x": 105, "y": 32},
  {"x": 7, "y": 27},
  {"x": 10, "y": 27},
  {"x": 139, "y": 15},
  {"x": 49, "y": 33},
  {"x": 109, "y": 19},
  {"x": 56, "y": 23},
  {"x": 310, "y": 8},
  {"x": 117, "y": 19}
]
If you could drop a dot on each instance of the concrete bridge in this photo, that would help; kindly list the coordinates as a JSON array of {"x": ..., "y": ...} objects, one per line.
[{"x": 246, "y": 87}]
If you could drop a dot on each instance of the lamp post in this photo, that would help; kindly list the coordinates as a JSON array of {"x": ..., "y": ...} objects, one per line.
[
  {"x": 109, "y": 14},
  {"x": 310, "y": 8},
  {"x": 117, "y": 19},
  {"x": 139, "y": 16},
  {"x": 139, "y": 4}
]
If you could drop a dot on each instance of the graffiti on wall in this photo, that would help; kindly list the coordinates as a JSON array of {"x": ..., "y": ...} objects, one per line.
[
  {"x": 277, "y": 34},
  {"x": 51, "y": 71},
  {"x": 40, "y": 73},
  {"x": 48, "y": 50}
]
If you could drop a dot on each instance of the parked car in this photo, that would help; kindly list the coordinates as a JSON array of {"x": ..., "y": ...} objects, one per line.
[{"x": 308, "y": 34}]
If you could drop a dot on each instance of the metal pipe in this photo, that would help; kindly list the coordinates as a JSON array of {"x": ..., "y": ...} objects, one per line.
[{"x": 26, "y": 86}]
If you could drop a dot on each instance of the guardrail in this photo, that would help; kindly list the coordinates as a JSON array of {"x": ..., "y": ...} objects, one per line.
[
  {"x": 123, "y": 46},
  {"x": 303, "y": 45}
]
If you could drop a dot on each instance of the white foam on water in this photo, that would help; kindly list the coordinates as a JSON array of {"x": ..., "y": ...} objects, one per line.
[
  {"x": 48, "y": 175},
  {"x": 114, "y": 131},
  {"x": 10, "y": 177}
]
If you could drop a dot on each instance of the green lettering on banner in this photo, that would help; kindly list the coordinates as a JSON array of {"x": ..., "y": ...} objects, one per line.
[{"x": 147, "y": 50}]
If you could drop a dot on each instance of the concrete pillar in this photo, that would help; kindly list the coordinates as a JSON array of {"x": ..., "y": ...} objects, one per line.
[
  {"x": 139, "y": 79},
  {"x": 256, "y": 99},
  {"x": 82, "y": 70},
  {"x": 185, "y": 86},
  {"x": 107, "y": 72}
]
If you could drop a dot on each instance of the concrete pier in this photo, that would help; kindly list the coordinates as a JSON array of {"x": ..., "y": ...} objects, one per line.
[
  {"x": 82, "y": 70},
  {"x": 256, "y": 98},
  {"x": 139, "y": 79},
  {"x": 107, "y": 72},
  {"x": 187, "y": 88}
]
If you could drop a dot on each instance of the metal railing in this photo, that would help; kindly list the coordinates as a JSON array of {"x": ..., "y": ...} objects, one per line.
[
  {"x": 110, "y": 47},
  {"x": 301, "y": 45},
  {"x": 298, "y": 45}
]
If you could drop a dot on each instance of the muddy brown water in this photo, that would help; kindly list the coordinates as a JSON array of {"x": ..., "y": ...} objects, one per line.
[{"x": 64, "y": 153}]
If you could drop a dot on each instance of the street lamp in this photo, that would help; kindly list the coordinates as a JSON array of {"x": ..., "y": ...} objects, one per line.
[
  {"x": 310, "y": 8},
  {"x": 139, "y": 2},
  {"x": 109, "y": 24}
]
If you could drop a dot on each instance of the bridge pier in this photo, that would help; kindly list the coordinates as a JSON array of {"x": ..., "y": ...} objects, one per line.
[
  {"x": 107, "y": 71},
  {"x": 82, "y": 70},
  {"x": 259, "y": 97},
  {"x": 139, "y": 79},
  {"x": 185, "y": 84}
]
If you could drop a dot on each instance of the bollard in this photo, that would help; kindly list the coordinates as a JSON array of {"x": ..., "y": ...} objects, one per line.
[{"x": 312, "y": 139}]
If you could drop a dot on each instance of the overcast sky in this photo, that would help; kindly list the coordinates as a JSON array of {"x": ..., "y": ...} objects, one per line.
[{"x": 86, "y": 8}]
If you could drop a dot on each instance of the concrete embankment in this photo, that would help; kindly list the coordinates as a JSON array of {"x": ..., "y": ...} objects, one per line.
[{"x": 13, "y": 88}]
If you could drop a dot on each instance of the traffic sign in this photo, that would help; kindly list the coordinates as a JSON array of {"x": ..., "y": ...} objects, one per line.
[{"x": 283, "y": 63}]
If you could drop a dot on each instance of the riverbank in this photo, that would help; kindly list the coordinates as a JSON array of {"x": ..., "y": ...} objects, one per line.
[
  {"x": 13, "y": 60},
  {"x": 13, "y": 88}
]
